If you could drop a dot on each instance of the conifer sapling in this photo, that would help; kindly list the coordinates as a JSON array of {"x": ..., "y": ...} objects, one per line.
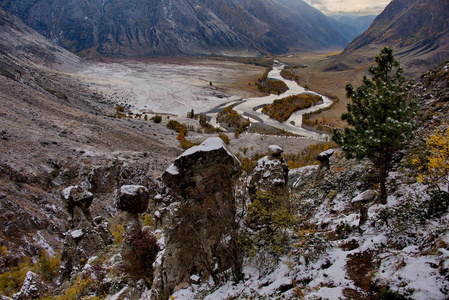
[{"x": 381, "y": 117}]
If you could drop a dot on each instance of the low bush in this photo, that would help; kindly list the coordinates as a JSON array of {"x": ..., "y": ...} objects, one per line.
[
  {"x": 224, "y": 138},
  {"x": 156, "y": 119}
]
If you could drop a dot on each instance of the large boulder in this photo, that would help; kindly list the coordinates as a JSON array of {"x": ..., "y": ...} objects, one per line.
[
  {"x": 133, "y": 198},
  {"x": 199, "y": 222},
  {"x": 198, "y": 171},
  {"x": 271, "y": 174}
]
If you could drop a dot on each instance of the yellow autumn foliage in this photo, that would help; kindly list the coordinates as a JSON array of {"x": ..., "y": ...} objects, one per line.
[{"x": 436, "y": 167}]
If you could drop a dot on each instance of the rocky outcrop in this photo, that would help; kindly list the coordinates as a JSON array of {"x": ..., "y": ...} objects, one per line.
[
  {"x": 199, "y": 221},
  {"x": 32, "y": 288},
  {"x": 85, "y": 236},
  {"x": 271, "y": 174}
]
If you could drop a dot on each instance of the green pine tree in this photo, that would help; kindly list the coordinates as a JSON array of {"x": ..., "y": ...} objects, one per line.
[{"x": 380, "y": 117}]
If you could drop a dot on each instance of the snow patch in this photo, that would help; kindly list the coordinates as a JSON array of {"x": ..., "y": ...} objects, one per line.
[
  {"x": 66, "y": 192},
  {"x": 130, "y": 189},
  {"x": 76, "y": 234},
  {"x": 210, "y": 144},
  {"x": 172, "y": 169}
]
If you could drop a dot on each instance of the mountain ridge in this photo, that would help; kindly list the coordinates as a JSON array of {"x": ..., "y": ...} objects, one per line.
[
  {"x": 404, "y": 25},
  {"x": 181, "y": 27}
]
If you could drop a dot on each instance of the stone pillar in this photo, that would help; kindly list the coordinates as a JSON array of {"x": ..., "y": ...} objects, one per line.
[
  {"x": 324, "y": 166},
  {"x": 85, "y": 237},
  {"x": 139, "y": 246},
  {"x": 201, "y": 212},
  {"x": 270, "y": 174},
  {"x": 361, "y": 203}
]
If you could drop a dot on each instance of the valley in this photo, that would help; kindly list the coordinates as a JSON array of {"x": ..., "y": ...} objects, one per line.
[
  {"x": 141, "y": 166},
  {"x": 175, "y": 87}
]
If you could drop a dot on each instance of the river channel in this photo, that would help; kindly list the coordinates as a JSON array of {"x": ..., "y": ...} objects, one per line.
[{"x": 252, "y": 107}]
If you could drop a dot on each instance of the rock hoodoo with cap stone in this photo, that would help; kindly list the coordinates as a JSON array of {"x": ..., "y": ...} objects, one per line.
[
  {"x": 199, "y": 220},
  {"x": 270, "y": 174},
  {"x": 85, "y": 236}
]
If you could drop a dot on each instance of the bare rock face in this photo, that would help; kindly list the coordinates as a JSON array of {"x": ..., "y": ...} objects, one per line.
[
  {"x": 133, "y": 198},
  {"x": 270, "y": 174},
  {"x": 85, "y": 237},
  {"x": 199, "y": 222}
]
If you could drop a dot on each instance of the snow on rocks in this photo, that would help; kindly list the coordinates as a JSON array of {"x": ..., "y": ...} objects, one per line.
[
  {"x": 172, "y": 170},
  {"x": 325, "y": 154},
  {"x": 32, "y": 288},
  {"x": 211, "y": 144},
  {"x": 275, "y": 150},
  {"x": 195, "y": 279},
  {"x": 197, "y": 160},
  {"x": 76, "y": 234},
  {"x": 364, "y": 197},
  {"x": 270, "y": 174},
  {"x": 77, "y": 196}
]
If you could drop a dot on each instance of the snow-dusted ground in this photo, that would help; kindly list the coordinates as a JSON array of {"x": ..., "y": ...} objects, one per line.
[{"x": 417, "y": 271}]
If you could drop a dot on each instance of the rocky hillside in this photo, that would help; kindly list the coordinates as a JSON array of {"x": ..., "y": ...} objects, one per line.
[
  {"x": 182, "y": 27},
  {"x": 417, "y": 30},
  {"x": 55, "y": 133}
]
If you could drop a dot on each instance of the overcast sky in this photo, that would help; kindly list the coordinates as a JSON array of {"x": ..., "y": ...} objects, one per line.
[{"x": 360, "y": 7}]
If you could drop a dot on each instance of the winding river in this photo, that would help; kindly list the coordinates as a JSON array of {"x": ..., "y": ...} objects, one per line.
[{"x": 247, "y": 107}]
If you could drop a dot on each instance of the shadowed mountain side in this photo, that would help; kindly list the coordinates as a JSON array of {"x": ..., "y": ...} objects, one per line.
[
  {"x": 21, "y": 44},
  {"x": 418, "y": 30},
  {"x": 182, "y": 27}
]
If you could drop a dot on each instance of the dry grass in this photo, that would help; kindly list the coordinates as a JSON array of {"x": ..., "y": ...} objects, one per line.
[{"x": 333, "y": 54}]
